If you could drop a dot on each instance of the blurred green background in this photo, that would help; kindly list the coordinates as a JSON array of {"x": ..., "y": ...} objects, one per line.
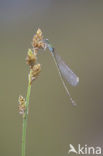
[{"x": 75, "y": 28}]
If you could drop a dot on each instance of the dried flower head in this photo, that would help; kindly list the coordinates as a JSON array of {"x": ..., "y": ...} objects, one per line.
[
  {"x": 31, "y": 58},
  {"x": 35, "y": 71},
  {"x": 39, "y": 33},
  {"x": 22, "y": 106},
  {"x": 37, "y": 42}
]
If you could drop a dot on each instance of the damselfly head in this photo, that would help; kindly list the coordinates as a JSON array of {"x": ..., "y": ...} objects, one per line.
[{"x": 48, "y": 45}]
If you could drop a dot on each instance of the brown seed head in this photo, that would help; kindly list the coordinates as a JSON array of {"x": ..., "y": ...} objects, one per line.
[
  {"x": 38, "y": 40},
  {"x": 21, "y": 106},
  {"x": 31, "y": 58},
  {"x": 39, "y": 33},
  {"x": 35, "y": 71}
]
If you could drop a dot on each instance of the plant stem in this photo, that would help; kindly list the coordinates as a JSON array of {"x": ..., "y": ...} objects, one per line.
[{"x": 26, "y": 116}]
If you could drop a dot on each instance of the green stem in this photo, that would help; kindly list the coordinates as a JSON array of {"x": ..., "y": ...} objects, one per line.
[{"x": 26, "y": 116}]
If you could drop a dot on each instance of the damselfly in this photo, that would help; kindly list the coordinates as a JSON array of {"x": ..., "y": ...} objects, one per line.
[{"x": 64, "y": 71}]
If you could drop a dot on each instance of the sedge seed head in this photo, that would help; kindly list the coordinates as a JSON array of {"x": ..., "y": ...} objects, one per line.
[
  {"x": 35, "y": 71},
  {"x": 22, "y": 105},
  {"x": 37, "y": 42},
  {"x": 31, "y": 58}
]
